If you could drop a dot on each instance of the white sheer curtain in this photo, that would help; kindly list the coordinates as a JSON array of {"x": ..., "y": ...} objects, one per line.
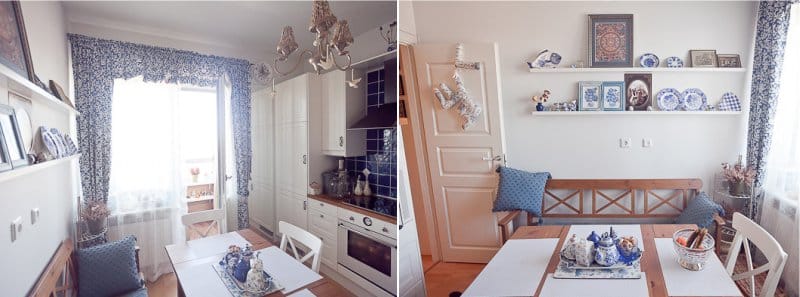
[
  {"x": 780, "y": 207},
  {"x": 148, "y": 177}
]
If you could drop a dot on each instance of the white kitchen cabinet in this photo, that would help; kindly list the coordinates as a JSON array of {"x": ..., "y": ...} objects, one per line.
[
  {"x": 342, "y": 106},
  {"x": 262, "y": 196},
  {"x": 322, "y": 222}
]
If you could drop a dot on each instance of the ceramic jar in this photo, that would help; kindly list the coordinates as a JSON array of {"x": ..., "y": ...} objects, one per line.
[
  {"x": 584, "y": 253},
  {"x": 569, "y": 248},
  {"x": 606, "y": 253}
]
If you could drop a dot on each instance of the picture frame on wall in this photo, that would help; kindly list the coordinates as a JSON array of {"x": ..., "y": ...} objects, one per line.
[
  {"x": 11, "y": 143},
  {"x": 612, "y": 95},
  {"x": 610, "y": 40},
  {"x": 729, "y": 61},
  {"x": 703, "y": 58},
  {"x": 14, "y": 50},
  {"x": 589, "y": 95},
  {"x": 59, "y": 93},
  {"x": 638, "y": 90}
]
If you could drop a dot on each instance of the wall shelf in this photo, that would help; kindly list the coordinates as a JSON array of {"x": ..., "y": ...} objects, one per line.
[
  {"x": 633, "y": 113},
  {"x": 638, "y": 69},
  {"x": 15, "y": 173},
  {"x": 22, "y": 86}
]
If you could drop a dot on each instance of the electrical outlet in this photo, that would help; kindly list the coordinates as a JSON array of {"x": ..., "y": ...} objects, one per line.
[
  {"x": 625, "y": 143},
  {"x": 34, "y": 215},
  {"x": 16, "y": 228},
  {"x": 647, "y": 142}
]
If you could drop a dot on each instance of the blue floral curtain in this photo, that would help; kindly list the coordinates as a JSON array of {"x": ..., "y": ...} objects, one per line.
[
  {"x": 97, "y": 63},
  {"x": 771, "y": 32}
]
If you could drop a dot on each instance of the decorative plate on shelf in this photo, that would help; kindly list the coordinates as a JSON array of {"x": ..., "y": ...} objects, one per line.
[
  {"x": 729, "y": 102},
  {"x": 693, "y": 99},
  {"x": 668, "y": 99},
  {"x": 50, "y": 149},
  {"x": 674, "y": 62},
  {"x": 649, "y": 60},
  {"x": 61, "y": 147}
]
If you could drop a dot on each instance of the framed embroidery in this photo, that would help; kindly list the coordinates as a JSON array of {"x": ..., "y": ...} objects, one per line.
[
  {"x": 610, "y": 40},
  {"x": 589, "y": 95},
  {"x": 612, "y": 95}
]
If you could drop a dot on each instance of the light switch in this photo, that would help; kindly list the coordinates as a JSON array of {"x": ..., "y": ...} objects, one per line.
[
  {"x": 34, "y": 215},
  {"x": 16, "y": 228},
  {"x": 625, "y": 143},
  {"x": 647, "y": 142}
]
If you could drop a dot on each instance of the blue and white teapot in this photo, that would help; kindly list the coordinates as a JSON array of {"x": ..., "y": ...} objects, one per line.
[{"x": 606, "y": 253}]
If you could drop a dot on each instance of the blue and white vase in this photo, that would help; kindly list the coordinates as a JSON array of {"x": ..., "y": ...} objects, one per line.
[
  {"x": 539, "y": 106},
  {"x": 606, "y": 253}
]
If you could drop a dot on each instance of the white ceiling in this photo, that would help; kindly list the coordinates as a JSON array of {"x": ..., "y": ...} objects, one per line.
[{"x": 252, "y": 25}]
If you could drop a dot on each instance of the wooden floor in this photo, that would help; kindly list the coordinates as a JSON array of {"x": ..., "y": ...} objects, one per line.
[
  {"x": 445, "y": 278},
  {"x": 427, "y": 263}
]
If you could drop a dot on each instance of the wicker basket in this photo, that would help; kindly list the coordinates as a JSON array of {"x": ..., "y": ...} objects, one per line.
[{"x": 692, "y": 259}]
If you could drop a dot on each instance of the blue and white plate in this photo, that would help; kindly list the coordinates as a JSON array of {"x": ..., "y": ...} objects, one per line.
[
  {"x": 668, "y": 99},
  {"x": 649, "y": 60},
  {"x": 693, "y": 99},
  {"x": 729, "y": 102},
  {"x": 674, "y": 62}
]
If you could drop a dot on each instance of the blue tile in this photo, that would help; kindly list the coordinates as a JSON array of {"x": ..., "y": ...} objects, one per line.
[
  {"x": 383, "y": 73},
  {"x": 384, "y": 180},
  {"x": 373, "y": 88},
  {"x": 393, "y": 183},
  {"x": 373, "y": 179},
  {"x": 372, "y": 109},
  {"x": 373, "y": 76},
  {"x": 381, "y": 98},
  {"x": 383, "y": 86},
  {"x": 372, "y": 133},
  {"x": 393, "y": 192},
  {"x": 372, "y": 145},
  {"x": 374, "y": 99}
]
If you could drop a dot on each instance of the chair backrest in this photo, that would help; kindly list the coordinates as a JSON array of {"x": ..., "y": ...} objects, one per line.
[
  {"x": 215, "y": 216},
  {"x": 291, "y": 233},
  {"x": 58, "y": 279},
  {"x": 748, "y": 231}
]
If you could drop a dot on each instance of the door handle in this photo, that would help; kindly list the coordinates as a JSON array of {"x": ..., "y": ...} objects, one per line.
[
  {"x": 341, "y": 141},
  {"x": 495, "y": 158},
  {"x": 228, "y": 177}
]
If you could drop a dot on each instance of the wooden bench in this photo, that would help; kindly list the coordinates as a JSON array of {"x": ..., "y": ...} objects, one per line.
[
  {"x": 612, "y": 199},
  {"x": 59, "y": 278}
]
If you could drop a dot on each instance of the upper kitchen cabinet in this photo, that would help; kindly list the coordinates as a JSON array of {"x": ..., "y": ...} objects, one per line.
[{"x": 342, "y": 107}]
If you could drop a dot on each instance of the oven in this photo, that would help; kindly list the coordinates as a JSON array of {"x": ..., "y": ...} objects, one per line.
[{"x": 371, "y": 255}]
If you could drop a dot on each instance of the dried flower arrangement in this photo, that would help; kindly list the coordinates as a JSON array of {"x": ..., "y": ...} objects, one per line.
[
  {"x": 738, "y": 173},
  {"x": 94, "y": 210},
  {"x": 194, "y": 171}
]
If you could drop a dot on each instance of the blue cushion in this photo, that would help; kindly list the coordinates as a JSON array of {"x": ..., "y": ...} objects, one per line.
[
  {"x": 521, "y": 190},
  {"x": 700, "y": 211},
  {"x": 141, "y": 292},
  {"x": 108, "y": 269}
]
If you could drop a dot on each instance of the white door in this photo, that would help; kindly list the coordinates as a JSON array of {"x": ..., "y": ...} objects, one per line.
[
  {"x": 262, "y": 194},
  {"x": 227, "y": 156},
  {"x": 462, "y": 163}
]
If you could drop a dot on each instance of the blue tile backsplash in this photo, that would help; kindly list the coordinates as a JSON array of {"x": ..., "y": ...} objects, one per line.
[{"x": 381, "y": 158}]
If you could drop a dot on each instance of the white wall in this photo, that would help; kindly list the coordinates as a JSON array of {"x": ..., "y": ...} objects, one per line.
[
  {"x": 51, "y": 190},
  {"x": 588, "y": 146}
]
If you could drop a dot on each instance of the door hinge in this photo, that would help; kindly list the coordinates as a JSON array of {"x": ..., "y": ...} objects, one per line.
[{"x": 341, "y": 141}]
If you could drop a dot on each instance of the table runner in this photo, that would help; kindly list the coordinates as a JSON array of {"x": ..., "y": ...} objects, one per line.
[
  {"x": 556, "y": 287},
  {"x": 515, "y": 270},
  {"x": 204, "y": 247},
  {"x": 286, "y": 270},
  {"x": 583, "y": 231},
  {"x": 711, "y": 281}
]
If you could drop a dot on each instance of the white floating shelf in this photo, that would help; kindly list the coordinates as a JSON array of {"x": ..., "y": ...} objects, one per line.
[
  {"x": 15, "y": 173},
  {"x": 636, "y": 69},
  {"x": 633, "y": 113},
  {"x": 21, "y": 85}
]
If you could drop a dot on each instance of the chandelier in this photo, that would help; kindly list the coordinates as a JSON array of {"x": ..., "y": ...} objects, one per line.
[{"x": 333, "y": 38}]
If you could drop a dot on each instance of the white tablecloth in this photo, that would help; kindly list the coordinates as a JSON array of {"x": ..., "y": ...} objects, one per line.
[
  {"x": 204, "y": 247},
  {"x": 711, "y": 281},
  {"x": 583, "y": 231},
  {"x": 558, "y": 287},
  {"x": 515, "y": 270},
  {"x": 199, "y": 279}
]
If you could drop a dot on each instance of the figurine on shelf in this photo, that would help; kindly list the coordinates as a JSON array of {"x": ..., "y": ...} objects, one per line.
[
  {"x": 256, "y": 282},
  {"x": 367, "y": 190},
  {"x": 540, "y": 100},
  {"x": 359, "y": 190},
  {"x": 545, "y": 59}
]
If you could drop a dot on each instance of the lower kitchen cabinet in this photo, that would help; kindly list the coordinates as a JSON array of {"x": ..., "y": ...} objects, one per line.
[{"x": 322, "y": 222}]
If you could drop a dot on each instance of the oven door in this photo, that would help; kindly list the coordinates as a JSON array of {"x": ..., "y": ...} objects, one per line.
[{"x": 368, "y": 254}]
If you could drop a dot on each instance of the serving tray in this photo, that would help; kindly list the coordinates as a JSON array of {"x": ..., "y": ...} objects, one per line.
[
  {"x": 569, "y": 269},
  {"x": 237, "y": 288}
]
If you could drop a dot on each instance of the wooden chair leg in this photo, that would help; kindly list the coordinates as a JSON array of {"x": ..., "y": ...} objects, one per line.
[{"x": 719, "y": 222}]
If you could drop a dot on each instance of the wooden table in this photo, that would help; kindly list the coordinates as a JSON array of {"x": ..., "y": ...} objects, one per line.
[
  {"x": 650, "y": 265},
  {"x": 178, "y": 253}
]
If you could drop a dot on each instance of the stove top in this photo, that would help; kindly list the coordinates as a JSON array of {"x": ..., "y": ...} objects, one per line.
[{"x": 380, "y": 204}]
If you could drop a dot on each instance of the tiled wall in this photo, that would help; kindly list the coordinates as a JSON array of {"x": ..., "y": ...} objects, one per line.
[{"x": 381, "y": 158}]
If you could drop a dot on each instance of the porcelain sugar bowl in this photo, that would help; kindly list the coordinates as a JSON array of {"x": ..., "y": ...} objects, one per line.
[
  {"x": 584, "y": 253},
  {"x": 569, "y": 248},
  {"x": 606, "y": 253}
]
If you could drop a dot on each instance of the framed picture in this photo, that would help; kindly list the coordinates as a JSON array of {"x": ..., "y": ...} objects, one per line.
[
  {"x": 638, "y": 90},
  {"x": 611, "y": 95},
  {"x": 14, "y": 50},
  {"x": 589, "y": 95},
  {"x": 610, "y": 40},
  {"x": 703, "y": 58},
  {"x": 59, "y": 93},
  {"x": 729, "y": 61},
  {"x": 11, "y": 143}
]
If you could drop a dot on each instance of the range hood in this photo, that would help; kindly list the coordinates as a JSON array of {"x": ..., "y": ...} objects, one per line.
[{"x": 384, "y": 117}]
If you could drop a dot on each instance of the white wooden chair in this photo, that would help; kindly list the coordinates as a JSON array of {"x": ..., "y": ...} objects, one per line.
[
  {"x": 291, "y": 233},
  {"x": 215, "y": 216},
  {"x": 748, "y": 231}
]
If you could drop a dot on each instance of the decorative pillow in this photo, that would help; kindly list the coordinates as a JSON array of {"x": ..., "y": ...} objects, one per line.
[
  {"x": 108, "y": 269},
  {"x": 700, "y": 211},
  {"x": 520, "y": 189}
]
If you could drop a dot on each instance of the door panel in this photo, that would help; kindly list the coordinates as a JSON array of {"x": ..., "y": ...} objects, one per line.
[
  {"x": 262, "y": 196},
  {"x": 462, "y": 167}
]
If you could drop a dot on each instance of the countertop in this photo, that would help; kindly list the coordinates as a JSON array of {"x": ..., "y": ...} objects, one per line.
[{"x": 339, "y": 203}]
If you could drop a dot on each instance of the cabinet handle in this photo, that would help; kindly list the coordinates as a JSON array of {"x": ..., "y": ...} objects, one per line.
[
  {"x": 322, "y": 216},
  {"x": 321, "y": 204},
  {"x": 385, "y": 230},
  {"x": 305, "y": 205},
  {"x": 352, "y": 218},
  {"x": 305, "y": 159},
  {"x": 341, "y": 141}
]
